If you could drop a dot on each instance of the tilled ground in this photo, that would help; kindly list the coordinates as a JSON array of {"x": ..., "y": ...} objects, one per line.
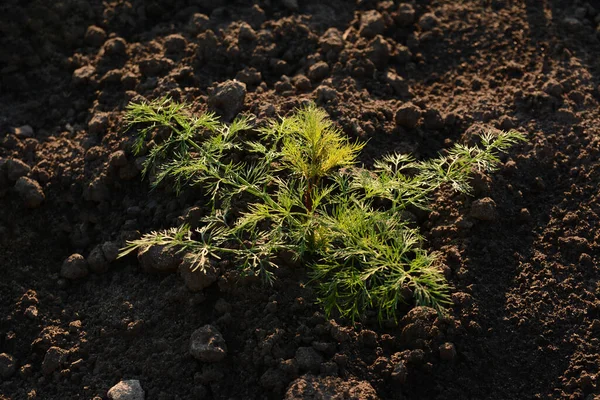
[{"x": 522, "y": 253}]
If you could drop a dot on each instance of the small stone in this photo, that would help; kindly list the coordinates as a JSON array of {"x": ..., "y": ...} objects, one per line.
[
  {"x": 332, "y": 40},
  {"x": 399, "y": 372},
  {"x": 199, "y": 278},
  {"x": 271, "y": 307},
  {"x": 447, "y": 351},
  {"x": 97, "y": 261},
  {"x": 155, "y": 66},
  {"x": 553, "y": 88},
  {"x": 405, "y": 15},
  {"x": 127, "y": 390},
  {"x": 83, "y": 75},
  {"x": 397, "y": 83},
  {"x": 207, "y": 345},
  {"x": 95, "y": 36},
  {"x": 15, "y": 169},
  {"x": 117, "y": 159},
  {"x": 25, "y": 131},
  {"x": 97, "y": 191},
  {"x": 301, "y": 82},
  {"x": 98, "y": 124},
  {"x": 291, "y": 5},
  {"x": 54, "y": 358},
  {"x": 8, "y": 365},
  {"x": 110, "y": 251},
  {"x": 308, "y": 359},
  {"x": 318, "y": 71},
  {"x": 371, "y": 24},
  {"x": 74, "y": 267},
  {"x": 325, "y": 94},
  {"x": 250, "y": 76},
  {"x": 227, "y": 99},
  {"x": 428, "y": 21},
  {"x": 246, "y": 33},
  {"x": 407, "y": 116},
  {"x": 159, "y": 258},
  {"x": 273, "y": 379},
  {"x": 198, "y": 23},
  {"x": 484, "y": 209},
  {"x": 433, "y": 120},
  {"x": 31, "y": 312},
  {"x": 368, "y": 338},
  {"x": 175, "y": 43},
  {"x": 115, "y": 47},
  {"x": 30, "y": 192},
  {"x": 572, "y": 24}
]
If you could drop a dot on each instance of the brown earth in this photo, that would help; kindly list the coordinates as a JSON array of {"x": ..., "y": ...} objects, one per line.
[{"x": 522, "y": 254}]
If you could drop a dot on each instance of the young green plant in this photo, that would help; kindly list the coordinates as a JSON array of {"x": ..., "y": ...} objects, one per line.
[{"x": 299, "y": 192}]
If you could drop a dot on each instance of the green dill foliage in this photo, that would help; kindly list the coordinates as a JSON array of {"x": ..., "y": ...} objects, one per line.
[{"x": 304, "y": 196}]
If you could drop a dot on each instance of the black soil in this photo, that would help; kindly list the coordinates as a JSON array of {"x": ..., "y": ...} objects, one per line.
[{"x": 526, "y": 298}]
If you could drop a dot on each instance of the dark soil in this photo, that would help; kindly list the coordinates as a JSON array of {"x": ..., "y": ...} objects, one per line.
[{"x": 526, "y": 274}]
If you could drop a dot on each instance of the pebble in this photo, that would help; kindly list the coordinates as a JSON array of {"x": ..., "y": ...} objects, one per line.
[
  {"x": 484, "y": 209},
  {"x": 25, "y": 131},
  {"x": 428, "y": 21},
  {"x": 175, "y": 43},
  {"x": 332, "y": 40},
  {"x": 96, "y": 260},
  {"x": 291, "y": 5},
  {"x": 115, "y": 47},
  {"x": 397, "y": 83},
  {"x": 207, "y": 345},
  {"x": 54, "y": 358},
  {"x": 227, "y": 98},
  {"x": 159, "y": 258},
  {"x": 74, "y": 267},
  {"x": 127, "y": 390},
  {"x": 98, "y": 124},
  {"x": 16, "y": 168},
  {"x": 250, "y": 76},
  {"x": 371, "y": 24},
  {"x": 407, "y": 116},
  {"x": 8, "y": 365},
  {"x": 200, "y": 278},
  {"x": 447, "y": 352},
  {"x": 117, "y": 159},
  {"x": 405, "y": 15},
  {"x": 83, "y": 75},
  {"x": 30, "y": 191},
  {"x": 308, "y": 359},
  {"x": 318, "y": 71},
  {"x": 246, "y": 33},
  {"x": 95, "y": 36},
  {"x": 433, "y": 120}
]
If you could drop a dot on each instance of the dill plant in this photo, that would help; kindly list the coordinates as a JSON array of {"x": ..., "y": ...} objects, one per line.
[{"x": 304, "y": 195}]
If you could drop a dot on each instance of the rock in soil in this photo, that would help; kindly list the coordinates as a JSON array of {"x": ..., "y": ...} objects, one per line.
[
  {"x": 159, "y": 258},
  {"x": 30, "y": 191},
  {"x": 207, "y": 345},
  {"x": 407, "y": 116},
  {"x": 200, "y": 278},
  {"x": 96, "y": 260},
  {"x": 127, "y": 390},
  {"x": 310, "y": 387},
  {"x": 54, "y": 358},
  {"x": 308, "y": 359},
  {"x": 74, "y": 267},
  {"x": 484, "y": 209},
  {"x": 8, "y": 365},
  {"x": 16, "y": 169},
  {"x": 227, "y": 99}
]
